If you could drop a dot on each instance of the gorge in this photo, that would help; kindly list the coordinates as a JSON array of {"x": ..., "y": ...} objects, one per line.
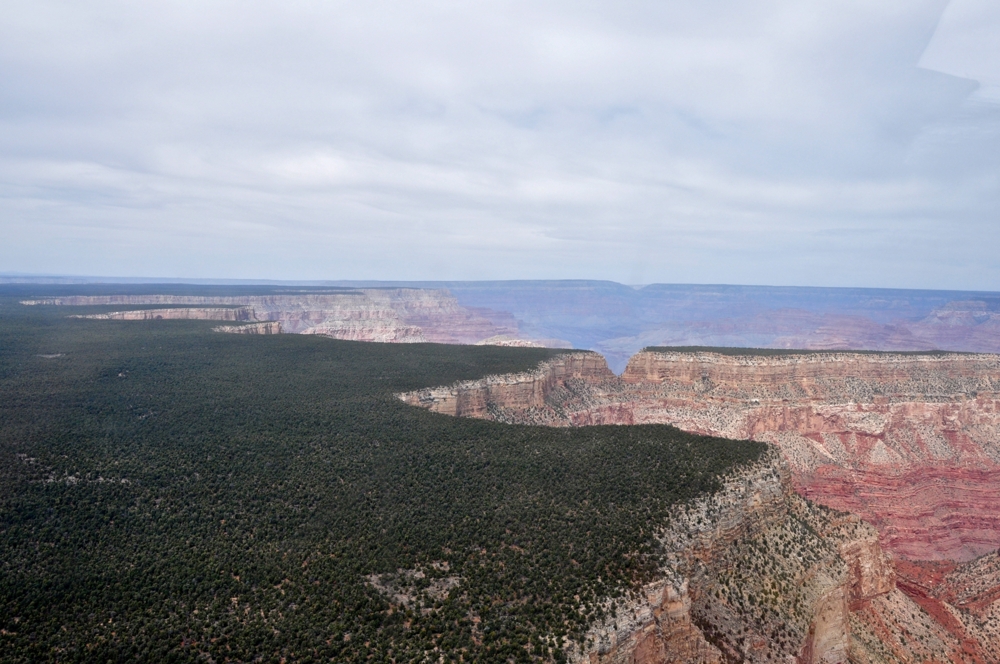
[{"x": 906, "y": 441}]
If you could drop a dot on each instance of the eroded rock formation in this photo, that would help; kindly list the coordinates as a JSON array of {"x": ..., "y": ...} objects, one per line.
[
  {"x": 753, "y": 573},
  {"x": 507, "y": 340},
  {"x": 181, "y": 313},
  {"x": 524, "y": 396},
  {"x": 273, "y": 327},
  {"x": 910, "y": 442},
  {"x": 395, "y": 315}
]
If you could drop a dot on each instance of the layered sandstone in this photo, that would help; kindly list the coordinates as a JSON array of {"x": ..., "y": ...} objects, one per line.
[
  {"x": 523, "y": 395},
  {"x": 910, "y": 442},
  {"x": 393, "y": 315},
  {"x": 273, "y": 327},
  {"x": 185, "y": 313},
  {"x": 368, "y": 324},
  {"x": 752, "y": 573}
]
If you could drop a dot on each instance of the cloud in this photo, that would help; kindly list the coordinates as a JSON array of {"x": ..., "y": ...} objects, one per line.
[{"x": 695, "y": 142}]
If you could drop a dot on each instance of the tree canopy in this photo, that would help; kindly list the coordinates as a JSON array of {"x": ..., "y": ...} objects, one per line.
[{"x": 168, "y": 493}]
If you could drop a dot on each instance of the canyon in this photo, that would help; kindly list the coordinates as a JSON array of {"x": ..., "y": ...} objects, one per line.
[
  {"x": 398, "y": 315},
  {"x": 618, "y": 320},
  {"x": 908, "y": 442},
  {"x": 869, "y": 536},
  {"x": 752, "y": 573},
  {"x": 614, "y": 319}
]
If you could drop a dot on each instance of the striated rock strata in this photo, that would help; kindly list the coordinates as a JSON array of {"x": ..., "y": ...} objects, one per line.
[
  {"x": 753, "y": 573},
  {"x": 185, "y": 313},
  {"x": 910, "y": 442},
  {"x": 273, "y": 327},
  {"x": 396, "y": 315},
  {"x": 756, "y": 572},
  {"x": 521, "y": 396},
  {"x": 507, "y": 340}
]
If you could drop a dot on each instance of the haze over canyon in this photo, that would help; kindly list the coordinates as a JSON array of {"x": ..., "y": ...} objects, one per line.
[{"x": 618, "y": 320}]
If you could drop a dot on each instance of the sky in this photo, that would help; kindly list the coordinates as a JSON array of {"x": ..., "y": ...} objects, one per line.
[{"x": 828, "y": 143}]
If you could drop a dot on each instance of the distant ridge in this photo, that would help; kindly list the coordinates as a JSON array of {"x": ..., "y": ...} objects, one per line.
[{"x": 618, "y": 320}]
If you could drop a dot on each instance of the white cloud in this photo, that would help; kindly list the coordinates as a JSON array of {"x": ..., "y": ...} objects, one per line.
[{"x": 711, "y": 141}]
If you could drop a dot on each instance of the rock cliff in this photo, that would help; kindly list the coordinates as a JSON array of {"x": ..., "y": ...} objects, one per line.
[
  {"x": 185, "y": 313},
  {"x": 940, "y": 612},
  {"x": 513, "y": 397},
  {"x": 273, "y": 327},
  {"x": 394, "y": 315},
  {"x": 753, "y": 573},
  {"x": 507, "y": 340},
  {"x": 909, "y": 442}
]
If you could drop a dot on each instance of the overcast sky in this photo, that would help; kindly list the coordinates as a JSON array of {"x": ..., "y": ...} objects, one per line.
[{"x": 713, "y": 141}]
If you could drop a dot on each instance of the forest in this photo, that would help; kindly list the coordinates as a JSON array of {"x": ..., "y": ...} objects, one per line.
[{"x": 172, "y": 494}]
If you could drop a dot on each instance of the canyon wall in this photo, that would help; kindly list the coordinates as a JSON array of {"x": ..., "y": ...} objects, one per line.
[
  {"x": 392, "y": 315},
  {"x": 753, "y": 573},
  {"x": 618, "y": 320},
  {"x": 185, "y": 313},
  {"x": 509, "y": 341},
  {"x": 272, "y": 327},
  {"x": 909, "y": 442},
  {"x": 512, "y": 397}
]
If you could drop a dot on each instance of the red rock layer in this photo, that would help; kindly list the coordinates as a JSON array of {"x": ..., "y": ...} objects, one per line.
[
  {"x": 928, "y": 513},
  {"x": 963, "y": 599},
  {"x": 909, "y": 442}
]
